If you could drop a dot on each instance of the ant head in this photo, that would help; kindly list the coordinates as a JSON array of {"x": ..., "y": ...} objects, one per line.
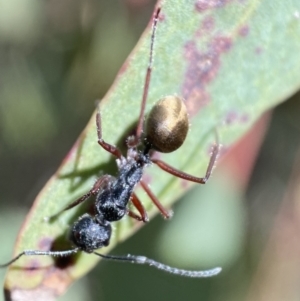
[
  {"x": 90, "y": 234},
  {"x": 167, "y": 124}
]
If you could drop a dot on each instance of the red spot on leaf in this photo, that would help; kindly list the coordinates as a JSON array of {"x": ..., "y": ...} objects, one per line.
[
  {"x": 258, "y": 50},
  {"x": 233, "y": 117},
  {"x": 45, "y": 243},
  {"x": 221, "y": 44},
  {"x": 244, "y": 31},
  {"x": 208, "y": 23},
  {"x": 202, "y": 5},
  {"x": 244, "y": 118},
  {"x": 202, "y": 69}
]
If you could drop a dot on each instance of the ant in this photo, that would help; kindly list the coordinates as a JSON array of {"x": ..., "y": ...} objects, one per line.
[{"x": 166, "y": 129}]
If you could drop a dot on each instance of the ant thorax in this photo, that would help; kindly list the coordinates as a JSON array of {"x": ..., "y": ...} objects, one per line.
[{"x": 113, "y": 196}]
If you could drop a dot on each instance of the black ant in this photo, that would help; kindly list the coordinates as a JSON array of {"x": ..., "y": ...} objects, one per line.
[{"x": 166, "y": 129}]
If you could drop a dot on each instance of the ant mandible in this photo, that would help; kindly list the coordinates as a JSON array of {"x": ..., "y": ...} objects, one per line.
[{"x": 166, "y": 129}]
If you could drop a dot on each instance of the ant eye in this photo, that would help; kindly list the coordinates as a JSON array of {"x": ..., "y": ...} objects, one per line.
[{"x": 167, "y": 124}]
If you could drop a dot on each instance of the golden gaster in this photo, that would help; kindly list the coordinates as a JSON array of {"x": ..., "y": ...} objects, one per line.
[{"x": 167, "y": 124}]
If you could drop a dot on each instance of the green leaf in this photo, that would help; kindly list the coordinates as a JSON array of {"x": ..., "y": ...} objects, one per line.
[{"x": 230, "y": 60}]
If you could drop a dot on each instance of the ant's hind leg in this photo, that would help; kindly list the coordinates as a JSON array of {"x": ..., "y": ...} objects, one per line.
[
  {"x": 108, "y": 147},
  {"x": 177, "y": 173},
  {"x": 165, "y": 213}
]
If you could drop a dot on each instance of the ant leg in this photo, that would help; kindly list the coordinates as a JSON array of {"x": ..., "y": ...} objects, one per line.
[
  {"x": 134, "y": 215},
  {"x": 177, "y": 173},
  {"x": 147, "y": 79},
  {"x": 139, "y": 206},
  {"x": 165, "y": 213},
  {"x": 104, "y": 180},
  {"x": 108, "y": 147}
]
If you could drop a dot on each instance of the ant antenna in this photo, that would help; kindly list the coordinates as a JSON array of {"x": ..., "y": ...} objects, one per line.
[
  {"x": 44, "y": 253},
  {"x": 147, "y": 79},
  {"x": 160, "y": 266},
  {"x": 129, "y": 258}
]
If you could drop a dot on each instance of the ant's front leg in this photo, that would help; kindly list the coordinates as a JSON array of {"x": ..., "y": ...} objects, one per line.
[{"x": 108, "y": 147}]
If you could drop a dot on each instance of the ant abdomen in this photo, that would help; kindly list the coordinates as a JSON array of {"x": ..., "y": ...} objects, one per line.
[
  {"x": 90, "y": 233},
  {"x": 167, "y": 124}
]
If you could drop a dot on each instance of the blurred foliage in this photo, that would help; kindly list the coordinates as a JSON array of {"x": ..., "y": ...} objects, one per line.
[
  {"x": 54, "y": 78},
  {"x": 52, "y": 56}
]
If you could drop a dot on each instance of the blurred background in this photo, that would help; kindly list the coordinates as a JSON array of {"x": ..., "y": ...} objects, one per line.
[{"x": 56, "y": 58}]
